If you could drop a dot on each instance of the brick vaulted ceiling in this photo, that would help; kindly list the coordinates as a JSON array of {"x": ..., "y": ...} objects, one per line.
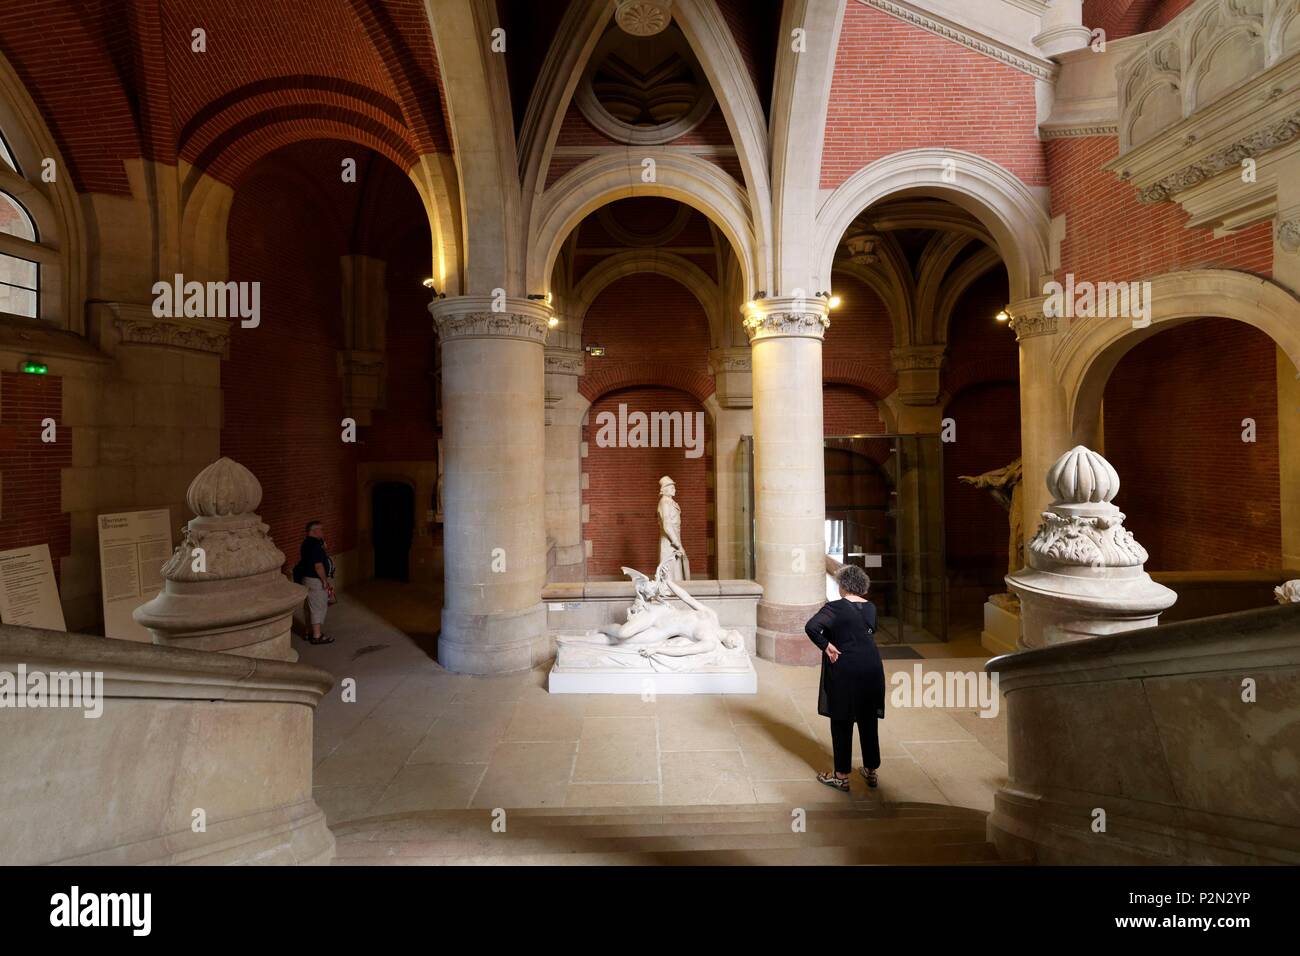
[{"x": 118, "y": 79}]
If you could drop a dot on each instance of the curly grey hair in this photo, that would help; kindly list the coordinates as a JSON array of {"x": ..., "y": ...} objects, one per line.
[{"x": 853, "y": 580}]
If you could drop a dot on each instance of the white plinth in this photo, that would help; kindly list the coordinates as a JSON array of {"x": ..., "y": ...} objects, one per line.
[
  {"x": 1001, "y": 634},
  {"x": 592, "y": 681}
]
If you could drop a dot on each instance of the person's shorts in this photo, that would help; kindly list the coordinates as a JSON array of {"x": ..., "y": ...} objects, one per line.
[{"x": 318, "y": 600}]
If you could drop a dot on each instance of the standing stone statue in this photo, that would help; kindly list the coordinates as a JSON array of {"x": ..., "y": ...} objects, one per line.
[
  {"x": 671, "y": 551},
  {"x": 1004, "y": 485}
]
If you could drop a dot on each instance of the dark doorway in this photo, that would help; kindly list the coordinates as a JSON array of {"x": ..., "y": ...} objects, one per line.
[{"x": 393, "y": 522}]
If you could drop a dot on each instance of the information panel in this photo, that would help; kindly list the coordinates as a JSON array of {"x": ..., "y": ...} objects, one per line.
[
  {"x": 133, "y": 547},
  {"x": 28, "y": 594}
]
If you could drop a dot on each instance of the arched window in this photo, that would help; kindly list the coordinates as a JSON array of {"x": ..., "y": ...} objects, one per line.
[
  {"x": 20, "y": 287},
  {"x": 42, "y": 236}
]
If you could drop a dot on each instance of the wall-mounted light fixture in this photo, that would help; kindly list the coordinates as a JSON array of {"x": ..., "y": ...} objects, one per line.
[
  {"x": 832, "y": 300},
  {"x": 537, "y": 298},
  {"x": 552, "y": 322},
  {"x": 595, "y": 351},
  {"x": 1003, "y": 316},
  {"x": 428, "y": 284}
]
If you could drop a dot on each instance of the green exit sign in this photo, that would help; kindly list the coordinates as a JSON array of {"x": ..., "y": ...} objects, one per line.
[{"x": 35, "y": 368}]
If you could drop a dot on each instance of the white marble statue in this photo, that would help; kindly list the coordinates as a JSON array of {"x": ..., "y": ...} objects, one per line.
[
  {"x": 671, "y": 551},
  {"x": 657, "y": 635}
]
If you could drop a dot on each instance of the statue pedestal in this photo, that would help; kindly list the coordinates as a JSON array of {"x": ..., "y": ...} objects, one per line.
[
  {"x": 1001, "y": 634},
  {"x": 593, "y": 669}
]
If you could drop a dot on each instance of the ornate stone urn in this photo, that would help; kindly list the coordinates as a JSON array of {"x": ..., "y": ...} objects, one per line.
[
  {"x": 1083, "y": 574},
  {"x": 223, "y": 590}
]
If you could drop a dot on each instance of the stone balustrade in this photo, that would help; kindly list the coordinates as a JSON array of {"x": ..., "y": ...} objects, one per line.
[
  {"x": 194, "y": 758},
  {"x": 1169, "y": 745}
]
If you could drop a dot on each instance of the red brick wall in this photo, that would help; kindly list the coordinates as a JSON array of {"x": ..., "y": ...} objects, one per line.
[
  {"x": 282, "y": 392},
  {"x": 850, "y": 410},
  {"x": 627, "y": 319},
  {"x": 1110, "y": 236},
  {"x": 1198, "y": 497},
  {"x": 980, "y": 349},
  {"x": 30, "y": 486},
  {"x": 623, "y": 490},
  {"x": 898, "y": 87},
  {"x": 856, "y": 348},
  {"x": 987, "y": 416}
]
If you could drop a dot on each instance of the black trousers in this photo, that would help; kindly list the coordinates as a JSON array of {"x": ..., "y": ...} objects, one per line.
[{"x": 842, "y": 742}]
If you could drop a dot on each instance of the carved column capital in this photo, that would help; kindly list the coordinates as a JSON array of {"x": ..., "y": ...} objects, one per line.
[
  {"x": 786, "y": 317},
  {"x": 481, "y": 316},
  {"x": 565, "y": 361},
  {"x": 1288, "y": 234},
  {"x": 913, "y": 357},
  {"x": 1028, "y": 319}
]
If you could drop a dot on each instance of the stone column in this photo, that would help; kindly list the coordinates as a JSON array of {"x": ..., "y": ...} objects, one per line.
[
  {"x": 494, "y": 442},
  {"x": 1062, "y": 28},
  {"x": 1083, "y": 576},
  {"x": 223, "y": 589},
  {"x": 789, "y": 472},
  {"x": 565, "y": 408},
  {"x": 1044, "y": 423}
]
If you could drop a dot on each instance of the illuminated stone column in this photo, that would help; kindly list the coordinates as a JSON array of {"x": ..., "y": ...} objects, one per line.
[
  {"x": 1044, "y": 424},
  {"x": 789, "y": 474},
  {"x": 494, "y": 440}
]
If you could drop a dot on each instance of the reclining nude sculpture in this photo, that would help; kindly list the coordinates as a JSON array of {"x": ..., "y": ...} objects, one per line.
[{"x": 656, "y": 632}]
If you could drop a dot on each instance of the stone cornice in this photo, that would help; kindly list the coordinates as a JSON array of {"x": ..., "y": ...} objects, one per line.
[
  {"x": 137, "y": 325},
  {"x": 1079, "y": 131},
  {"x": 1227, "y": 157},
  {"x": 1035, "y": 66}
]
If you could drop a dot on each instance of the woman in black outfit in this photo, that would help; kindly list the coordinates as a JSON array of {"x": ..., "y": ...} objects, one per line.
[{"x": 853, "y": 678}]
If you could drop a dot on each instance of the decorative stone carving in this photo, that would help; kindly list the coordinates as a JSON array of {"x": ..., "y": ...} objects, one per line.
[
  {"x": 1040, "y": 69},
  {"x": 1288, "y": 234},
  {"x": 917, "y": 356},
  {"x": 478, "y": 325},
  {"x": 1027, "y": 326},
  {"x": 661, "y": 647},
  {"x": 199, "y": 335},
  {"x": 778, "y": 324},
  {"x": 1229, "y": 157},
  {"x": 918, "y": 372},
  {"x": 561, "y": 361},
  {"x": 222, "y": 586},
  {"x": 862, "y": 249},
  {"x": 1083, "y": 575},
  {"x": 643, "y": 18}
]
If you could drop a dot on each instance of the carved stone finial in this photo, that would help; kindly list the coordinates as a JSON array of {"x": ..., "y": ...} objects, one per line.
[
  {"x": 224, "y": 488},
  {"x": 1083, "y": 572},
  {"x": 1081, "y": 476}
]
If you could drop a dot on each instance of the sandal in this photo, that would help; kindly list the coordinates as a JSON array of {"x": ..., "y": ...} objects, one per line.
[
  {"x": 870, "y": 777},
  {"x": 839, "y": 783},
  {"x": 319, "y": 640}
]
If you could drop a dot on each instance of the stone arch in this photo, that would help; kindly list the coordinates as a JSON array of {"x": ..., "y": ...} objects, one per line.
[
  {"x": 1089, "y": 350},
  {"x": 669, "y": 265},
  {"x": 715, "y": 48},
  {"x": 683, "y": 177},
  {"x": 1013, "y": 214}
]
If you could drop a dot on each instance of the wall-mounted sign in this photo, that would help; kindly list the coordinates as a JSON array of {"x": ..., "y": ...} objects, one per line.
[
  {"x": 29, "y": 595},
  {"x": 133, "y": 547}
]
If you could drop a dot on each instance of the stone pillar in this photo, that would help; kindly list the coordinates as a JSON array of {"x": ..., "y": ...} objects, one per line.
[
  {"x": 731, "y": 407},
  {"x": 1083, "y": 576},
  {"x": 1062, "y": 28},
  {"x": 223, "y": 589},
  {"x": 789, "y": 472},
  {"x": 565, "y": 408},
  {"x": 1044, "y": 424},
  {"x": 494, "y": 480}
]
